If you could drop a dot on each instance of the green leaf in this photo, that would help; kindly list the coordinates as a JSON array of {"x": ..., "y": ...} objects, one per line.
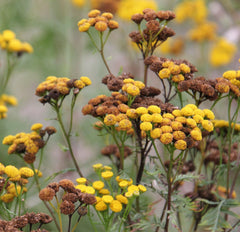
[
  {"x": 63, "y": 147},
  {"x": 185, "y": 177},
  {"x": 59, "y": 173}
]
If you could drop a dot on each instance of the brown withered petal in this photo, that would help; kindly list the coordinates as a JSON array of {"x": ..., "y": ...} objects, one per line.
[
  {"x": 82, "y": 210},
  {"x": 72, "y": 197},
  {"x": 137, "y": 18},
  {"x": 33, "y": 218},
  {"x": 150, "y": 15},
  {"x": 66, "y": 184},
  {"x": 46, "y": 194},
  {"x": 45, "y": 219},
  {"x": 50, "y": 130},
  {"x": 67, "y": 207},
  {"x": 20, "y": 222},
  {"x": 153, "y": 25},
  {"x": 87, "y": 109},
  {"x": 29, "y": 158},
  {"x": 54, "y": 94},
  {"x": 109, "y": 150},
  {"x": 54, "y": 186},
  {"x": 88, "y": 199}
]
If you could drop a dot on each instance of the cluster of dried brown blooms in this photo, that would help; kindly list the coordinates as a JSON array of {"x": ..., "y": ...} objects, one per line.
[
  {"x": 219, "y": 155},
  {"x": 18, "y": 223},
  {"x": 154, "y": 33},
  {"x": 113, "y": 150},
  {"x": 117, "y": 103},
  {"x": 69, "y": 198}
]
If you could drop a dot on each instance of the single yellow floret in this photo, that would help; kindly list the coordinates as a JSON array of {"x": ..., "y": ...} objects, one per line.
[{"x": 116, "y": 206}]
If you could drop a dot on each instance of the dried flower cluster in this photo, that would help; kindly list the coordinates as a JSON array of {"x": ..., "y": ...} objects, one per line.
[
  {"x": 29, "y": 144},
  {"x": 18, "y": 223},
  {"x": 219, "y": 155},
  {"x": 69, "y": 199},
  {"x": 101, "y": 22},
  {"x": 155, "y": 32},
  {"x": 9, "y": 42}
]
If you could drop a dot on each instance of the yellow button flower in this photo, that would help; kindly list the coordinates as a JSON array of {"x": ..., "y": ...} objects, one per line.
[
  {"x": 36, "y": 126},
  {"x": 107, "y": 199},
  {"x": 98, "y": 185},
  {"x": 11, "y": 171},
  {"x": 81, "y": 180},
  {"x": 207, "y": 125},
  {"x": 142, "y": 188},
  {"x": 146, "y": 126},
  {"x": 122, "y": 199},
  {"x": 90, "y": 190},
  {"x": 104, "y": 191},
  {"x": 154, "y": 109},
  {"x": 81, "y": 187},
  {"x": 26, "y": 172},
  {"x": 107, "y": 175},
  {"x": 166, "y": 138},
  {"x": 116, "y": 206},
  {"x": 101, "y": 206},
  {"x": 110, "y": 120},
  {"x": 180, "y": 144}
]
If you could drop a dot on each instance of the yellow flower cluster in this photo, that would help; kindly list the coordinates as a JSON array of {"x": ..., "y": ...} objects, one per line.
[
  {"x": 107, "y": 198},
  {"x": 174, "y": 71},
  {"x": 16, "y": 178},
  {"x": 101, "y": 22},
  {"x": 9, "y": 42},
  {"x": 233, "y": 76},
  {"x": 225, "y": 124},
  {"x": 121, "y": 122},
  {"x": 203, "y": 31},
  {"x": 222, "y": 52},
  {"x": 191, "y": 9},
  {"x": 175, "y": 127},
  {"x": 6, "y": 100},
  {"x": 56, "y": 86},
  {"x": 127, "y": 8},
  {"x": 132, "y": 87},
  {"x": 28, "y": 143}
]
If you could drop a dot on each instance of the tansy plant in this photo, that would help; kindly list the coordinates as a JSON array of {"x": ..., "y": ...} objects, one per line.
[{"x": 157, "y": 139}]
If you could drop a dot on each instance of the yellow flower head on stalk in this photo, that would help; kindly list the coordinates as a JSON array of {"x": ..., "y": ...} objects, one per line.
[
  {"x": 101, "y": 206},
  {"x": 81, "y": 180},
  {"x": 26, "y": 172},
  {"x": 191, "y": 9},
  {"x": 5, "y": 101},
  {"x": 7, "y": 197},
  {"x": 127, "y": 8},
  {"x": 116, "y": 206},
  {"x": 98, "y": 185},
  {"x": 110, "y": 120},
  {"x": 107, "y": 175},
  {"x": 90, "y": 190},
  {"x": 9, "y": 42},
  {"x": 97, "y": 166},
  {"x": 36, "y": 127},
  {"x": 101, "y": 22},
  {"x": 11, "y": 171},
  {"x": 222, "y": 52}
]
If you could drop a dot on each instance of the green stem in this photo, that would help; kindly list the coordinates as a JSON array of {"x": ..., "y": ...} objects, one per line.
[{"x": 67, "y": 140}]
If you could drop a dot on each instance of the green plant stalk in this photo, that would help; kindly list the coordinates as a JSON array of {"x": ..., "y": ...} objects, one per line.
[
  {"x": 169, "y": 173},
  {"x": 159, "y": 158},
  {"x": 67, "y": 140},
  {"x": 10, "y": 68},
  {"x": 90, "y": 219},
  {"x": 39, "y": 189},
  {"x": 126, "y": 212},
  {"x": 74, "y": 97},
  {"x": 58, "y": 213}
]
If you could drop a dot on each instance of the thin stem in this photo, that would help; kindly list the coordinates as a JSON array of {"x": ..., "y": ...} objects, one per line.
[
  {"x": 68, "y": 141},
  {"x": 102, "y": 53}
]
